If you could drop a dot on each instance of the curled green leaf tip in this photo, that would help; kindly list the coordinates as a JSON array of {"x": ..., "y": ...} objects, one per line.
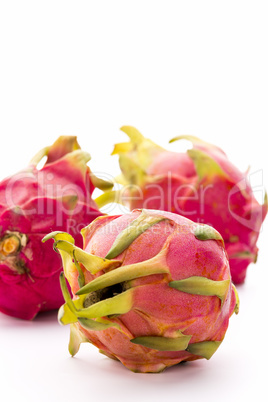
[
  {"x": 93, "y": 325},
  {"x": 194, "y": 140},
  {"x": 108, "y": 197},
  {"x": 199, "y": 285},
  {"x": 119, "y": 304},
  {"x": 237, "y": 305},
  {"x": 66, "y": 295},
  {"x": 205, "y": 165},
  {"x": 103, "y": 185},
  {"x": 123, "y": 274},
  {"x": 206, "y": 232},
  {"x": 51, "y": 235},
  {"x": 134, "y": 135},
  {"x": 66, "y": 316},
  {"x": 204, "y": 349},
  {"x": 132, "y": 231},
  {"x": 163, "y": 343},
  {"x": 81, "y": 276},
  {"x": 61, "y": 314},
  {"x": 76, "y": 338},
  {"x": 58, "y": 236}
]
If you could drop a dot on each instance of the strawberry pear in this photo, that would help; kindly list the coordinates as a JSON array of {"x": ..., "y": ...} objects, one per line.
[
  {"x": 34, "y": 201},
  {"x": 149, "y": 288},
  {"x": 201, "y": 184}
]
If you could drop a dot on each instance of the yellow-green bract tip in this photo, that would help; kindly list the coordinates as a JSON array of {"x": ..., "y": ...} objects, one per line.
[{"x": 57, "y": 235}]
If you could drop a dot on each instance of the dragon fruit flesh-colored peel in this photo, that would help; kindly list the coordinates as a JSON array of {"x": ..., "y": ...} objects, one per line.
[
  {"x": 201, "y": 184},
  {"x": 151, "y": 289},
  {"x": 32, "y": 203}
]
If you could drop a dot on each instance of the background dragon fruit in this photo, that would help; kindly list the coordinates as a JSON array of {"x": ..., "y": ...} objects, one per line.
[
  {"x": 152, "y": 289},
  {"x": 202, "y": 185},
  {"x": 33, "y": 202}
]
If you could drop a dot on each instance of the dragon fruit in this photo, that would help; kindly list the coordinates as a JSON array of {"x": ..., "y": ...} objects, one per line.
[
  {"x": 32, "y": 203},
  {"x": 151, "y": 289},
  {"x": 202, "y": 185}
]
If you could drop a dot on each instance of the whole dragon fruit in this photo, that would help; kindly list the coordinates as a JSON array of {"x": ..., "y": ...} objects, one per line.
[
  {"x": 202, "y": 185},
  {"x": 33, "y": 202},
  {"x": 152, "y": 289}
]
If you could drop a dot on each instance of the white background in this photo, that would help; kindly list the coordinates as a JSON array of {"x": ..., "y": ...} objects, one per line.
[{"x": 86, "y": 68}]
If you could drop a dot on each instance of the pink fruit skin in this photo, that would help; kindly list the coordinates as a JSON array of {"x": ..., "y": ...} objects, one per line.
[
  {"x": 32, "y": 203},
  {"x": 158, "y": 309},
  {"x": 225, "y": 202}
]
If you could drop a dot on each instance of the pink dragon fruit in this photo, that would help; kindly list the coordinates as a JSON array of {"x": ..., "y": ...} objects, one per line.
[
  {"x": 202, "y": 185},
  {"x": 33, "y": 202},
  {"x": 151, "y": 289}
]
